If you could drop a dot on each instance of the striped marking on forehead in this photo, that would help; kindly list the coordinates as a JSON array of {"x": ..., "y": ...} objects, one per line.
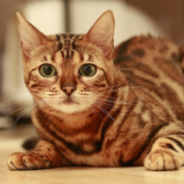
[{"x": 66, "y": 44}]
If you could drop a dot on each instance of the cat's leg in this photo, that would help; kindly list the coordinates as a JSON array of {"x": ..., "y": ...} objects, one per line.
[
  {"x": 45, "y": 155},
  {"x": 167, "y": 153}
]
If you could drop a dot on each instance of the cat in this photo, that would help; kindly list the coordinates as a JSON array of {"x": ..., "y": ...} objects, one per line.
[{"x": 96, "y": 105}]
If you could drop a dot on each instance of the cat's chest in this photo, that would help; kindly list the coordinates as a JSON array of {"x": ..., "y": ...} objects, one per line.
[
  {"x": 80, "y": 133},
  {"x": 79, "y": 144}
]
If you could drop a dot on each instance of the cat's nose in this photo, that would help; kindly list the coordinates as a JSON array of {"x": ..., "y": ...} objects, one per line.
[{"x": 68, "y": 89}]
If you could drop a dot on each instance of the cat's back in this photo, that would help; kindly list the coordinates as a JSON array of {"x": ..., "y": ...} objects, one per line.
[
  {"x": 148, "y": 54},
  {"x": 153, "y": 67}
]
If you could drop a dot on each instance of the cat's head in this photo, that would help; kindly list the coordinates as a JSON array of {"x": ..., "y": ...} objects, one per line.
[{"x": 71, "y": 73}]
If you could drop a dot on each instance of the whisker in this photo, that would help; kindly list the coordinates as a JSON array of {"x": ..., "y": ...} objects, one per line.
[
  {"x": 105, "y": 104},
  {"x": 93, "y": 108},
  {"x": 24, "y": 113},
  {"x": 103, "y": 110},
  {"x": 113, "y": 101},
  {"x": 96, "y": 111},
  {"x": 24, "y": 106},
  {"x": 13, "y": 98},
  {"x": 112, "y": 90},
  {"x": 121, "y": 89}
]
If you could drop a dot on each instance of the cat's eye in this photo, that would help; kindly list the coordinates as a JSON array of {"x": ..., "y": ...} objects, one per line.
[
  {"x": 47, "y": 70},
  {"x": 87, "y": 70}
]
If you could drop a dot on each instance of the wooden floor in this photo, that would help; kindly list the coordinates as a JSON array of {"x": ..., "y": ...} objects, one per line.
[{"x": 11, "y": 141}]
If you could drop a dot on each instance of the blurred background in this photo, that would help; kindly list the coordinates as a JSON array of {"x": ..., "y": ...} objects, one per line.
[{"x": 132, "y": 17}]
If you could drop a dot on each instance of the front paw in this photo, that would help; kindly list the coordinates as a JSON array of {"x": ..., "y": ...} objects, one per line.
[
  {"x": 28, "y": 161},
  {"x": 161, "y": 160}
]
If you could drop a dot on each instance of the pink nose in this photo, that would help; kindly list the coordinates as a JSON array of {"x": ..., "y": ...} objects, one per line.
[{"x": 68, "y": 89}]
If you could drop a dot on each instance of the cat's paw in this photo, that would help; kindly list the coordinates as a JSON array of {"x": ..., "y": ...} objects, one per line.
[
  {"x": 28, "y": 161},
  {"x": 162, "y": 160}
]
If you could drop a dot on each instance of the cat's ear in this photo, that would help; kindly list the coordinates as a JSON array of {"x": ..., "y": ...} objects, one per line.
[
  {"x": 102, "y": 33},
  {"x": 30, "y": 36}
]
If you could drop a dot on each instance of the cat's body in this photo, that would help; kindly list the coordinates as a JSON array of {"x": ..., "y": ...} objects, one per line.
[{"x": 129, "y": 112}]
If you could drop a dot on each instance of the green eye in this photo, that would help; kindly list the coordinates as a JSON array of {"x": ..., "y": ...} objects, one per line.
[
  {"x": 47, "y": 70},
  {"x": 87, "y": 70}
]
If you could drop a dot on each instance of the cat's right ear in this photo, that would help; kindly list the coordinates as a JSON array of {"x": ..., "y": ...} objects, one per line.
[
  {"x": 102, "y": 32},
  {"x": 30, "y": 37}
]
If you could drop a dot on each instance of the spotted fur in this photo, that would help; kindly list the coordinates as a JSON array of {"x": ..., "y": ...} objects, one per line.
[{"x": 131, "y": 112}]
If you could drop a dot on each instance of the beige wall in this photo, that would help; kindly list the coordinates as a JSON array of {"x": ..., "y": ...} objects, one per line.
[
  {"x": 7, "y": 9},
  {"x": 168, "y": 14}
]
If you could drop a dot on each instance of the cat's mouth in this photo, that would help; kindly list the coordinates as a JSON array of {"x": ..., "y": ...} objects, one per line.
[{"x": 68, "y": 102}]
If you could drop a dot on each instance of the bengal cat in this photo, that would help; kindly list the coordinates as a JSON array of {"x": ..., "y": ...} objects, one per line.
[{"x": 99, "y": 106}]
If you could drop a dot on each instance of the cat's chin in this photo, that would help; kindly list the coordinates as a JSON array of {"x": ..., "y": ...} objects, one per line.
[
  {"x": 69, "y": 102},
  {"x": 70, "y": 107}
]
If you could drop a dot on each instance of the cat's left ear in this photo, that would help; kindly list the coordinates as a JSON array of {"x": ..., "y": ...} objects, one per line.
[
  {"x": 102, "y": 33},
  {"x": 30, "y": 37}
]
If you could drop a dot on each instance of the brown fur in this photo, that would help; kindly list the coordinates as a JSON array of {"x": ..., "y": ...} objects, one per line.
[{"x": 131, "y": 112}]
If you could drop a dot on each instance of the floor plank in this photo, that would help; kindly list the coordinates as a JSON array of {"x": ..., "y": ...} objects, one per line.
[{"x": 11, "y": 141}]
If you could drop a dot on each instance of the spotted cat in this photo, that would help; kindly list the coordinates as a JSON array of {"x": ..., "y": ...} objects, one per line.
[{"x": 99, "y": 106}]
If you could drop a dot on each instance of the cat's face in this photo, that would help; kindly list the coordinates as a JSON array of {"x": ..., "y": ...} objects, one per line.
[
  {"x": 69, "y": 84},
  {"x": 71, "y": 73}
]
